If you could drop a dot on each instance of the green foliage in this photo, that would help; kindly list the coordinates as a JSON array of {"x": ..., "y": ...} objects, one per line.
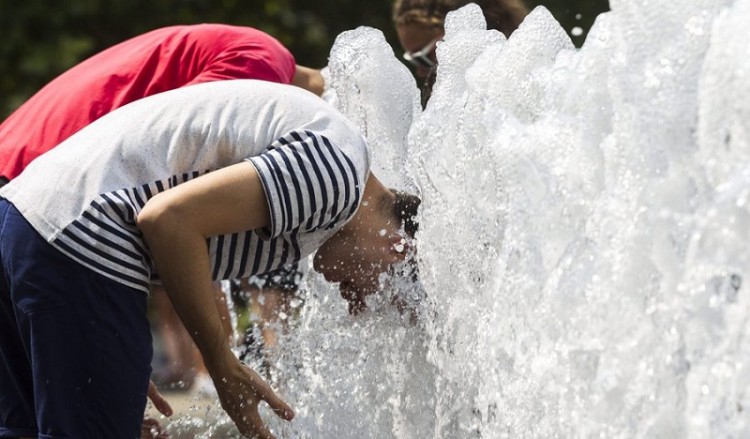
[{"x": 42, "y": 38}]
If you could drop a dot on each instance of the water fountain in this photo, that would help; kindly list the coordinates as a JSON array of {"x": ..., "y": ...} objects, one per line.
[{"x": 583, "y": 243}]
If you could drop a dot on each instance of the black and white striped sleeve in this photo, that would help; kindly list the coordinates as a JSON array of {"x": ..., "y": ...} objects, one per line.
[{"x": 310, "y": 184}]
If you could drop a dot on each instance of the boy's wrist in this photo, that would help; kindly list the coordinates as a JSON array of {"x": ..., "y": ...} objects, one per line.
[{"x": 219, "y": 361}]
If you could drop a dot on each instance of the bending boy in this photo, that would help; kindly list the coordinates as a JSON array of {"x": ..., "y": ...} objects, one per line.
[{"x": 214, "y": 181}]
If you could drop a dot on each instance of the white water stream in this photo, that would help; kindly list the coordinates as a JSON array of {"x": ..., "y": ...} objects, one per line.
[{"x": 584, "y": 248}]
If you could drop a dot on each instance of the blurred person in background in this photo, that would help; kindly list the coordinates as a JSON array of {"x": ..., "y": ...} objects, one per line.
[{"x": 419, "y": 24}]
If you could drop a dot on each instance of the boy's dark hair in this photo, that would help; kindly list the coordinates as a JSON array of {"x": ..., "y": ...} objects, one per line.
[{"x": 405, "y": 209}]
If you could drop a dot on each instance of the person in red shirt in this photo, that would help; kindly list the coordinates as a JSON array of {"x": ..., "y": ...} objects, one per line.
[{"x": 160, "y": 60}]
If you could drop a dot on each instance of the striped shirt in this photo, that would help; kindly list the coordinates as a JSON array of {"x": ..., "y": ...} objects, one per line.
[{"x": 85, "y": 195}]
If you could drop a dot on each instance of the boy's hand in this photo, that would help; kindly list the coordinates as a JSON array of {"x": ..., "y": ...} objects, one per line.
[
  {"x": 157, "y": 399},
  {"x": 151, "y": 429},
  {"x": 240, "y": 391}
]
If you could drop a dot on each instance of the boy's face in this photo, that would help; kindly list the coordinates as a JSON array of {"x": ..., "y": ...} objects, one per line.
[{"x": 356, "y": 261}]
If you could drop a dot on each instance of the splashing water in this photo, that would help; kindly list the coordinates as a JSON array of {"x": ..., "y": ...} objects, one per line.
[{"x": 584, "y": 235}]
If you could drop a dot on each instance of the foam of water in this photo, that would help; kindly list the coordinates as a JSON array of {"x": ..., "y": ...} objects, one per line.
[{"x": 583, "y": 242}]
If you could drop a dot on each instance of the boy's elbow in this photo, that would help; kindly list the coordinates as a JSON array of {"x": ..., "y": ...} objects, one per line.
[{"x": 154, "y": 216}]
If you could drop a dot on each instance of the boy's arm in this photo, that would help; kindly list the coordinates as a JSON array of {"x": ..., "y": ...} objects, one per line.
[{"x": 175, "y": 225}]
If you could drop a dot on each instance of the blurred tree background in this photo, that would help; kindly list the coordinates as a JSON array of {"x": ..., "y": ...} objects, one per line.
[{"x": 43, "y": 38}]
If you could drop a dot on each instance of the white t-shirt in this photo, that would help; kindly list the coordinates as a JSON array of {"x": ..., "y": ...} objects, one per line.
[{"x": 84, "y": 196}]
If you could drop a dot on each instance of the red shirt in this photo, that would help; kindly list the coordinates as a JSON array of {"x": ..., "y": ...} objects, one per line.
[{"x": 161, "y": 60}]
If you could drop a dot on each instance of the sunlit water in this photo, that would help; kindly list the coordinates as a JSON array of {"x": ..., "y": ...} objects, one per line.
[{"x": 584, "y": 249}]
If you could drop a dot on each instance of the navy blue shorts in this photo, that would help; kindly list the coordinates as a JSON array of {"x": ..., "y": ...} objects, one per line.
[{"x": 75, "y": 346}]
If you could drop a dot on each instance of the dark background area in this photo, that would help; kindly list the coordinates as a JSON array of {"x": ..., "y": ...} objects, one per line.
[{"x": 43, "y": 38}]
